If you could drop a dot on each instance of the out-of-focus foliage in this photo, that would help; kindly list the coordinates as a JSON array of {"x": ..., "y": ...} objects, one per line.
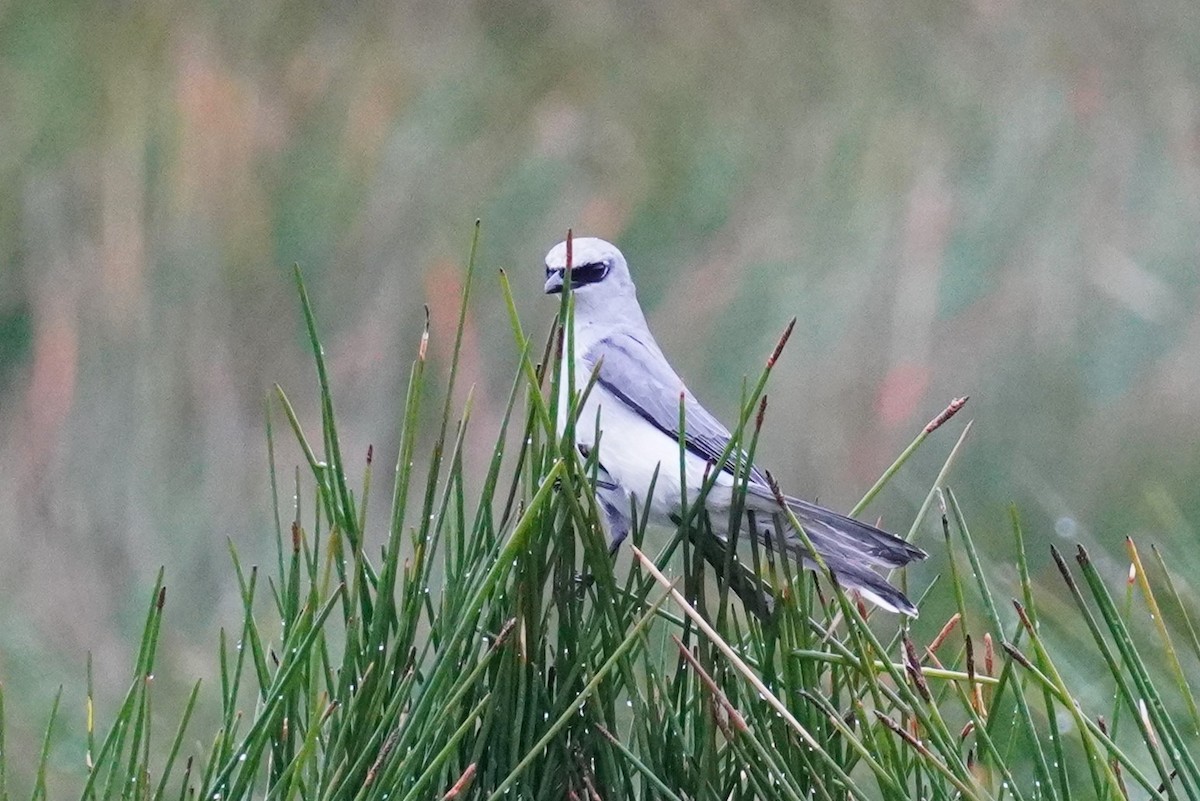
[{"x": 993, "y": 198}]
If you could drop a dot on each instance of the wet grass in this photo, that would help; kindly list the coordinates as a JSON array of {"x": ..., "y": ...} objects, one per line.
[{"x": 485, "y": 645}]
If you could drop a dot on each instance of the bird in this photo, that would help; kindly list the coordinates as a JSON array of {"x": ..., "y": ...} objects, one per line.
[{"x": 630, "y": 420}]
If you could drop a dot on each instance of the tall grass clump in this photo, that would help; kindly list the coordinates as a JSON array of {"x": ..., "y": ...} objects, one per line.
[{"x": 487, "y": 646}]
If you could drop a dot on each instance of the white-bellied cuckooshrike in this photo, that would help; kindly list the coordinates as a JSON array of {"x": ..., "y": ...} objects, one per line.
[{"x": 636, "y": 401}]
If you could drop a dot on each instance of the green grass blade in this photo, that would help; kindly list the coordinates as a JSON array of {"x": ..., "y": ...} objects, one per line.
[
  {"x": 177, "y": 743},
  {"x": 1177, "y": 750},
  {"x": 1164, "y": 636},
  {"x": 39, "y": 788},
  {"x": 934, "y": 424}
]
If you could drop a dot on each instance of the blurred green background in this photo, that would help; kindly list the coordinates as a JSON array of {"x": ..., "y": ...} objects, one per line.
[{"x": 995, "y": 198}]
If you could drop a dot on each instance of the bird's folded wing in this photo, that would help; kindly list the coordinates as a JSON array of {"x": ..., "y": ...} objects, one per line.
[{"x": 638, "y": 375}]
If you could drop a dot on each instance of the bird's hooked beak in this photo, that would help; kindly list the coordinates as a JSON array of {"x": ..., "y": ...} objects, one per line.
[{"x": 554, "y": 282}]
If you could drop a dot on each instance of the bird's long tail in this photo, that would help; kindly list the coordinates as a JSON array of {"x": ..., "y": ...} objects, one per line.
[{"x": 849, "y": 547}]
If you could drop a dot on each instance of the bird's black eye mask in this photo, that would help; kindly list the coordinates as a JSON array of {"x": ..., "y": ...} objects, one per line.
[{"x": 581, "y": 275}]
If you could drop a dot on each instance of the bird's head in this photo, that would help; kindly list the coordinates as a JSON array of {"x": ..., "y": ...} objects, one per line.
[{"x": 599, "y": 273}]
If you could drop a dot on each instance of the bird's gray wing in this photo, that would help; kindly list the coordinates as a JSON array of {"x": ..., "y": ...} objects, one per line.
[{"x": 639, "y": 376}]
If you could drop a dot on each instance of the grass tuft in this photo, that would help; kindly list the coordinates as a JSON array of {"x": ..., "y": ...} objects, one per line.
[{"x": 486, "y": 645}]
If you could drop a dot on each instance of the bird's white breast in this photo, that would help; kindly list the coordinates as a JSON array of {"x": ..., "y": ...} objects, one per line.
[{"x": 631, "y": 449}]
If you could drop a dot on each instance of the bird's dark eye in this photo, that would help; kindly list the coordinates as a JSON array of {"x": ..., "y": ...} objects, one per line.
[{"x": 589, "y": 273}]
